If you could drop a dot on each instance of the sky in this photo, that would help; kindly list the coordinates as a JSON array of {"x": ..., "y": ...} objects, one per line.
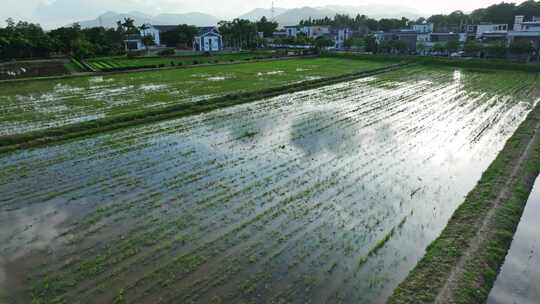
[{"x": 53, "y": 13}]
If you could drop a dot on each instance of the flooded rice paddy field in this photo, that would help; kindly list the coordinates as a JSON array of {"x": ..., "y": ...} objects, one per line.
[
  {"x": 35, "y": 105},
  {"x": 520, "y": 274},
  {"x": 327, "y": 195}
]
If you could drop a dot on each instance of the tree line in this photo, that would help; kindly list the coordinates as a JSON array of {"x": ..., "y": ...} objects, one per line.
[
  {"x": 502, "y": 13},
  {"x": 27, "y": 40}
]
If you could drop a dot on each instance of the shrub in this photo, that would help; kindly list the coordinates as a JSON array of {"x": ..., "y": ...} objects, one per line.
[
  {"x": 167, "y": 52},
  {"x": 135, "y": 54}
]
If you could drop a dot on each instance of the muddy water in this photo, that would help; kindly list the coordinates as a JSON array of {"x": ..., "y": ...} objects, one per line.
[
  {"x": 519, "y": 279},
  {"x": 328, "y": 195}
]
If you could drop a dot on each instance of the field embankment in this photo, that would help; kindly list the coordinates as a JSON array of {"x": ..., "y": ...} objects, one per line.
[
  {"x": 112, "y": 64},
  {"x": 462, "y": 264},
  {"x": 61, "y": 110}
]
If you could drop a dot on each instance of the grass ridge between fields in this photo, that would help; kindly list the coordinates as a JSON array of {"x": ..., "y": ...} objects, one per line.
[
  {"x": 41, "y": 137},
  {"x": 505, "y": 186},
  {"x": 490, "y": 64}
]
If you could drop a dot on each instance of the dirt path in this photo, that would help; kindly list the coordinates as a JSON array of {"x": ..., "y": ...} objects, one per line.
[{"x": 447, "y": 293}]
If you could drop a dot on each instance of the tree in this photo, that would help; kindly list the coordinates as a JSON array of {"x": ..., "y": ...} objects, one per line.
[
  {"x": 323, "y": 42},
  {"x": 128, "y": 26},
  {"x": 421, "y": 47},
  {"x": 82, "y": 48},
  {"x": 439, "y": 47},
  {"x": 355, "y": 42},
  {"x": 371, "y": 44},
  {"x": 147, "y": 41},
  {"x": 239, "y": 33},
  {"x": 266, "y": 27},
  {"x": 452, "y": 46},
  {"x": 496, "y": 49},
  {"x": 521, "y": 47},
  {"x": 399, "y": 46},
  {"x": 182, "y": 35},
  {"x": 24, "y": 40},
  {"x": 472, "y": 48}
]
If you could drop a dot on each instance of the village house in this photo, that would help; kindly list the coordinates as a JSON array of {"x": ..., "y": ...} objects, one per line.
[
  {"x": 133, "y": 43},
  {"x": 340, "y": 36},
  {"x": 310, "y": 31},
  {"x": 526, "y": 30},
  {"x": 208, "y": 40},
  {"x": 483, "y": 29},
  {"x": 423, "y": 31},
  {"x": 408, "y": 36}
]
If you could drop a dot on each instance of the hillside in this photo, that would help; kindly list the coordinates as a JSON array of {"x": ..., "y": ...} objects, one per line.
[{"x": 109, "y": 19}]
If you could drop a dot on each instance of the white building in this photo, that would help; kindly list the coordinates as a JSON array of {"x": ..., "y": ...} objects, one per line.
[
  {"x": 490, "y": 29},
  {"x": 342, "y": 35},
  {"x": 530, "y": 26},
  {"x": 424, "y": 28},
  {"x": 208, "y": 40},
  {"x": 314, "y": 32},
  {"x": 292, "y": 31},
  {"x": 133, "y": 43},
  {"x": 526, "y": 30},
  {"x": 423, "y": 31}
]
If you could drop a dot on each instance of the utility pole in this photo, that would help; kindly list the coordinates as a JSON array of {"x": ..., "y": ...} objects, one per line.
[{"x": 273, "y": 12}]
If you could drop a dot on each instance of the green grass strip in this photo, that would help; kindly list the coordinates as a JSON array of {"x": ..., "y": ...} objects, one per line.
[
  {"x": 498, "y": 64},
  {"x": 78, "y": 65},
  {"x": 41, "y": 137},
  {"x": 428, "y": 278}
]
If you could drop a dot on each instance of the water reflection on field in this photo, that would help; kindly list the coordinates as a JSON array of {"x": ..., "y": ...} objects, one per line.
[
  {"x": 519, "y": 279},
  {"x": 326, "y": 195}
]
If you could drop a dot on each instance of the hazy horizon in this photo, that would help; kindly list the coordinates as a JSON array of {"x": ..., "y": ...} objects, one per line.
[{"x": 54, "y": 13}]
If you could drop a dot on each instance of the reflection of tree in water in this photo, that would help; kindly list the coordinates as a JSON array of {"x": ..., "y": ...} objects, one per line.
[{"x": 323, "y": 131}]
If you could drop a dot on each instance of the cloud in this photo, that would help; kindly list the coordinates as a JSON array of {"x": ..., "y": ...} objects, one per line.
[{"x": 23, "y": 231}]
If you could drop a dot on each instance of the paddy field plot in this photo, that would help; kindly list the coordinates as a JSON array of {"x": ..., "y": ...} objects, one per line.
[
  {"x": 38, "y": 105},
  {"x": 325, "y": 196},
  {"x": 114, "y": 63}
]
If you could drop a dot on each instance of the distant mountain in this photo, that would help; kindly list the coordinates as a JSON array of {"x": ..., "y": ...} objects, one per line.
[
  {"x": 109, "y": 19},
  {"x": 198, "y": 19},
  {"x": 258, "y": 13},
  {"x": 293, "y": 16},
  {"x": 377, "y": 11},
  {"x": 282, "y": 15}
]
